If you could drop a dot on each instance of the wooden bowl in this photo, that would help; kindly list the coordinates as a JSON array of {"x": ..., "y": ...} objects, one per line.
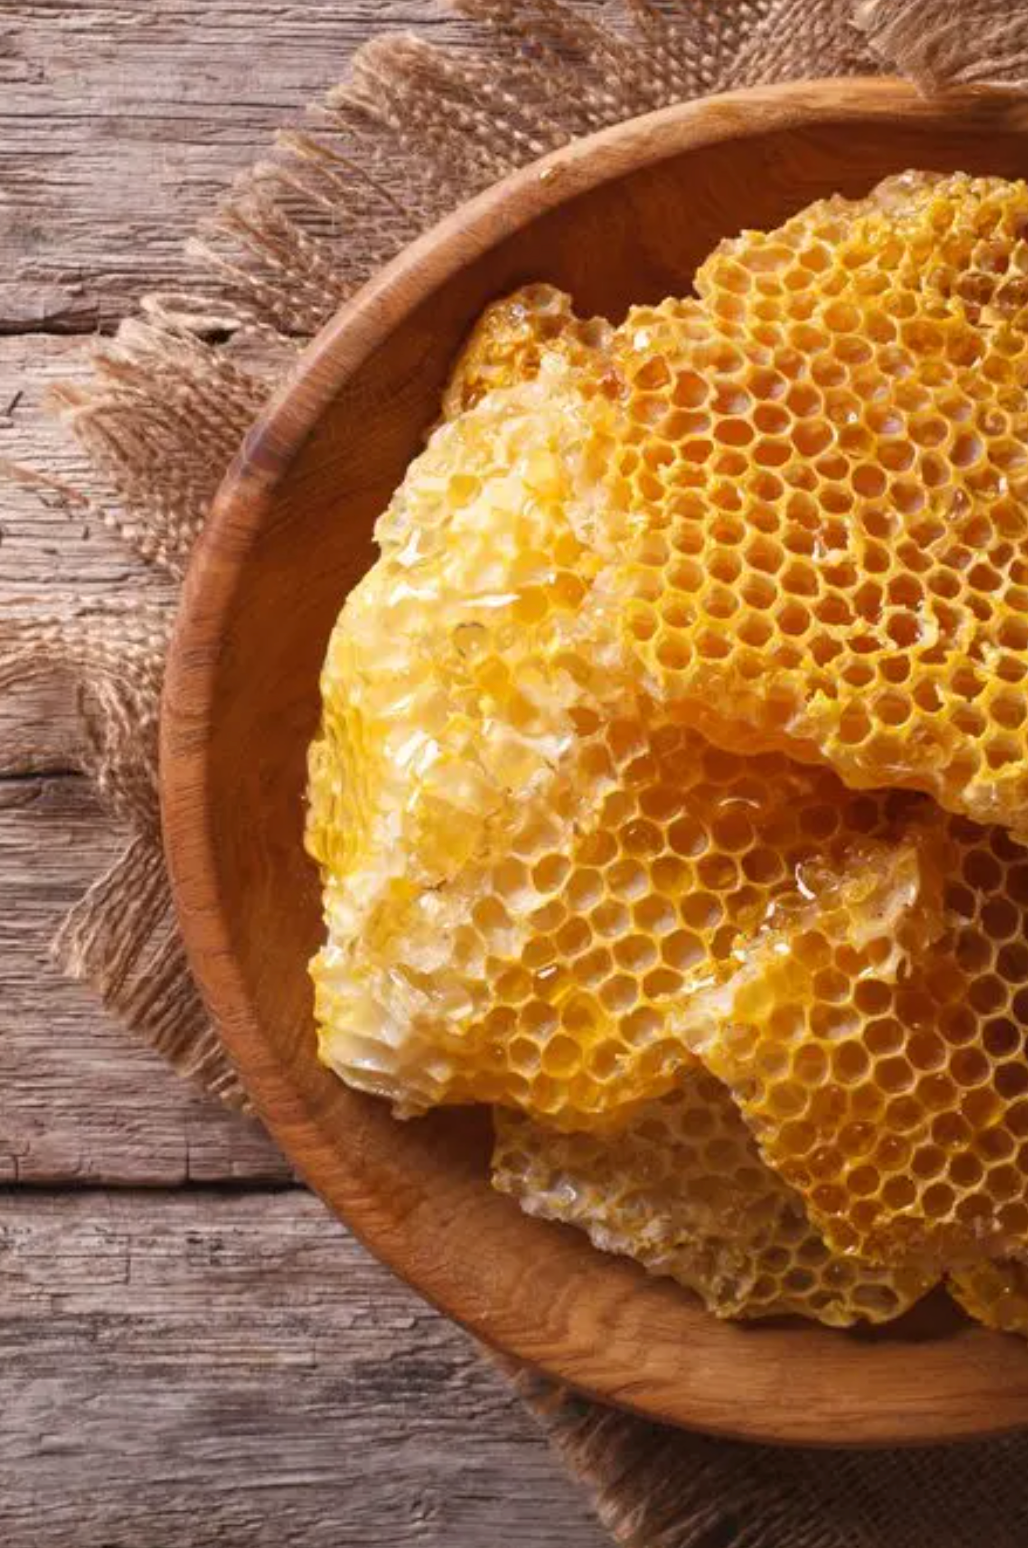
[{"x": 622, "y": 217}]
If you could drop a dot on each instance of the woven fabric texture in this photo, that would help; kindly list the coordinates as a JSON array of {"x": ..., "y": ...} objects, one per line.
[{"x": 413, "y": 131}]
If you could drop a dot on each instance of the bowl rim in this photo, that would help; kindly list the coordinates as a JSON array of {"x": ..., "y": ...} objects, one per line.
[{"x": 214, "y": 580}]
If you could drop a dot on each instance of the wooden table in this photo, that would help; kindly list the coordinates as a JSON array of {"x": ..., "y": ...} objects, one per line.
[{"x": 191, "y": 1352}]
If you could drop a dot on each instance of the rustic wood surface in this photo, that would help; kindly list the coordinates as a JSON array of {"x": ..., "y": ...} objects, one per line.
[
  {"x": 191, "y": 1352},
  {"x": 208, "y": 1368}
]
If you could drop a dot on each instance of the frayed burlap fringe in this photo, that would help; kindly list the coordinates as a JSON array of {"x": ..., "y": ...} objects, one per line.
[
  {"x": 412, "y": 132},
  {"x": 950, "y": 43}
]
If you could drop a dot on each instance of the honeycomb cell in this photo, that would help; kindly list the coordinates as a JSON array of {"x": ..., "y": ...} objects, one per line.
[
  {"x": 934, "y": 1052},
  {"x": 879, "y": 615},
  {"x": 684, "y": 1192}
]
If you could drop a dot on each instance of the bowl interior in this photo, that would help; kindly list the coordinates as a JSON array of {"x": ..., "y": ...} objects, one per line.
[{"x": 624, "y": 218}]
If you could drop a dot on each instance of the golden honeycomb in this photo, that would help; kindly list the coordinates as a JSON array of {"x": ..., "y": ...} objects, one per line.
[
  {"x": 994, "y": 1293},
  {"x": 514, "y": 336},
  {"x": 448, "y": 690},
  {"x": 467, "y": 606},
  {"x": 825, "y": 462},
  {"x": 500, "y": 959},
  {"x": 684, "y": 1192},
  {"x": 897, "y": 1105},
  {"x": 627, "y": 745},
  {"x": 554, "y": 976}
]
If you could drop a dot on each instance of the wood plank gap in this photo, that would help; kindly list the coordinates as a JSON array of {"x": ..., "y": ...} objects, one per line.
[
  {"x": 33, "y": 776},
  {"x": 214, "y": 1188}
]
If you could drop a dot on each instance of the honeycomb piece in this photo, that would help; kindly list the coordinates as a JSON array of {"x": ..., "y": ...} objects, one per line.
[
  {"x": 447, "y": 695},
  {"x": 553, "y": 976},
  {"x": 824, "y": 462},
  {"x": 897, "y": 1104},
  {"x": 514, "y": 336},
  {"x": 683, "y": 1191},
  {"x": 524, "y": 865},
  {"x": 446, "y": 684},
  {"x": 993, "y": 1293}
]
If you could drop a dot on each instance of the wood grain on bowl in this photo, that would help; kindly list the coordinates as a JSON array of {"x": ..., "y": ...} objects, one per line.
[{"x": 623, "y": 217}]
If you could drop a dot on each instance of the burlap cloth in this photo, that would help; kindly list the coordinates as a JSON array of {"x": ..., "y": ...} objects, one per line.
[{"x": 410, "y": 133}]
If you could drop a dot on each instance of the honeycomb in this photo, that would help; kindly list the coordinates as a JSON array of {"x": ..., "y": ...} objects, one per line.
[
  {"x": 563, "y": 869},
  {"x": 824, "y": 459},
  {"x": 684, "y": 1192},
  {"x": 448, "y": 691},
  {"x": 514, "y": 336},
  {"x": 623, "y": 784},
  {"x": 553, "y": 977},
  {"x": 896, "y": 1105},
  {"x": 993, "y": 1293},
  {"x": 444, "y": 687}
]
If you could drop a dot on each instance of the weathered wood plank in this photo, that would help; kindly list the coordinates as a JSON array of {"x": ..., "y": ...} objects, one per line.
[
  {"x": 52, "y": 555},
  {"x": 189, "y": 1367},
  {"x": 47, "y": 550},
  {"x": 46, "y": 555},
  {"x": 234, "y": 1369},
  {"x": 122, "y": 122},
  {"x": 80, "y": 1102}
]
